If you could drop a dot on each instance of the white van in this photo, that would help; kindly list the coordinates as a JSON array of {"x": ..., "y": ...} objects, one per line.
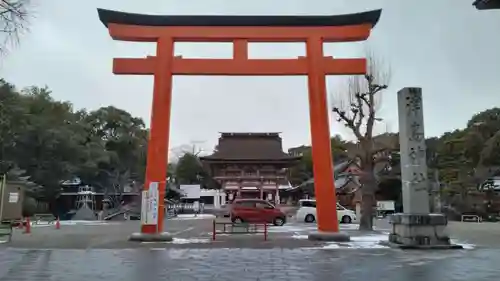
[{"x": 307, "y": 212}]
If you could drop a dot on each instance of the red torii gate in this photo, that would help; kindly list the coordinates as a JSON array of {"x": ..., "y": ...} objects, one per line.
[{"x": 313, "y": 30}]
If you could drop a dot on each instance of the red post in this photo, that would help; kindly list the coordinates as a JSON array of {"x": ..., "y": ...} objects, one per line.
[
  {"x": 324, "y": 186},
  {"x": 27, "y": 229},
  {"x": 156, "y": 167},
  {"x": 213, "y": 231},
  {"x": 265, "y": 231}
]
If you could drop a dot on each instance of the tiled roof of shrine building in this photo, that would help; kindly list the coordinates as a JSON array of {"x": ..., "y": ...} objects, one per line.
[
  {"x": 251, "y": 147},
  {"x": 486, "y": 4}
]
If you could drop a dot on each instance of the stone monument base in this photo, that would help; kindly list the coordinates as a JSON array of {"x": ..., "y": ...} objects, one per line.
[
  {"x": 151, "y": 237},
  {"x": 329, "y": 236},
  {"x": 420, "y": 231}
]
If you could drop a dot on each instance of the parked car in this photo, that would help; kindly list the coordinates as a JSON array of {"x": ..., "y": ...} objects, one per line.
[
  {"x": 223, "y": 212},
  {"x": 257, "y": 211},
  {"x": 307, "y": 212}
]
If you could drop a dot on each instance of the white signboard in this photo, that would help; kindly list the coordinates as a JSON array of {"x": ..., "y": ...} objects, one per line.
[
  {"x": 153, "y": 204},
  {"x": 269, "y": 196},
  {"x": 150, "y": 204},
  {"x": 385, "y": 206},
  {"x": 13, "y": 197},
  {"x": 144, "y": 207},
  {"x": 191, "y": 191}
]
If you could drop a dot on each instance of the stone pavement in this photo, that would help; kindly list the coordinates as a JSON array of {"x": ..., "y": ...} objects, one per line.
[
  {"x": 247, "y": 264},
  {"x": 86, "y": 252},
  {"x": 188, "y": 233}
]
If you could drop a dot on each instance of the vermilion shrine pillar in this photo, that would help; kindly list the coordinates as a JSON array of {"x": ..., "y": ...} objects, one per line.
[
  {"x": 240, "y": 30},
  {"x": 156, "y": 168},
  {"x": 320, "y": 138}
]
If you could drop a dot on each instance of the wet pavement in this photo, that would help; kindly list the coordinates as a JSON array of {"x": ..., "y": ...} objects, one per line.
[
  {"x": 248, "y": 264},
  {"x": 86, "y": 252}
]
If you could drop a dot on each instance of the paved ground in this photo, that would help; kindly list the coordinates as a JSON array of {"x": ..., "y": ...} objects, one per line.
[
  {"x": 188, "y": 233},
  {"x": 247, "y": 264},
  {"x": 84, "y": 252}
]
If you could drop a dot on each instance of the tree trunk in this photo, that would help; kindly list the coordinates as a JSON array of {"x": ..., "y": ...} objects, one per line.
[
  {"x": 366, "y": 221},
  {"x": 368, "y": 188}
]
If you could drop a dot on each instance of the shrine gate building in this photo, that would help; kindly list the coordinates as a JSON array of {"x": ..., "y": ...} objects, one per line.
[{"x": 250, "y": 165}]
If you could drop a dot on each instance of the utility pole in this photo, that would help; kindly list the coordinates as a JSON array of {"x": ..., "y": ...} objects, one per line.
[{"x": 3, "y": 185}]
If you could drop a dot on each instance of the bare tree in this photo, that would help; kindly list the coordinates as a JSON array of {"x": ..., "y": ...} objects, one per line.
[
  {"x": 115, "y": 190},
  {"x": 194, "y": 147},
  {"x": 13, "y": 20},
  {"x": 357, "y": 109}
]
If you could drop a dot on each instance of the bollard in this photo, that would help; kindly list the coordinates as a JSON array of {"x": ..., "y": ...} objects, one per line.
[
  {"x": 265, "y": 231},
  {"x": 27, "y": 229},
  {"x": 213, "y": 231},
  {"x": 58, "y": 223}
]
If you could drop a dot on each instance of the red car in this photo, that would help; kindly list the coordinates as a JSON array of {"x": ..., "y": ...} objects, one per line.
[{"x": 256, "y": 211}]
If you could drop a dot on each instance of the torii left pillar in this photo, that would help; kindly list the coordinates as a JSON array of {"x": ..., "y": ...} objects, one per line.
[{"x": 157, "y": 149}]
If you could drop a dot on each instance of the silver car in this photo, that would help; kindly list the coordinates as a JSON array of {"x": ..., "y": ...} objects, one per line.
[{"x": 223, "y": 211}]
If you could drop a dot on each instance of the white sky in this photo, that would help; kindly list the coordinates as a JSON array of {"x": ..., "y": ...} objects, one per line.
[{"x": 446, "y": 47}]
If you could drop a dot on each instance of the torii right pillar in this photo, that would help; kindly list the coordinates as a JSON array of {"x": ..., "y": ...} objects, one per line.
[{"x": 416, "y": 227}]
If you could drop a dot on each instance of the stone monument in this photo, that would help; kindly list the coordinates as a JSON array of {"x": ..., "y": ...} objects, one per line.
[{"x": 416, "y": 227}]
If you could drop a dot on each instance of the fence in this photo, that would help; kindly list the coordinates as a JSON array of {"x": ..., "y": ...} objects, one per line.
[
  {"x": 239, "y": 228},
  {"x": 185, "y": 208},
  {"x": 473, "y": 218}
]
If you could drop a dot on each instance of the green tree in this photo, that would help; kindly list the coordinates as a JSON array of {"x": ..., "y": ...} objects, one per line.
[
  {"x": 11, "y": 124},
  {"x": 47, "y": 147},
  {"x": 339, "y": 148},
  {"x": 116, "y": 147},
  {"x": 51, "y": 142},
  {"x": 189, "y": 169},
  {"x": 490, "y": 155},
  {"x": 35, "y": 137},
  {"x": 466, "y": 157},
  {"x": 303, "y": 170}
]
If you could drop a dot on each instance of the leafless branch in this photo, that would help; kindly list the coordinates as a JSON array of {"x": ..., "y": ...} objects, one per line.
[
  {"x": 358, "y": 105},
  {"x": 357, "y": 108},
  {"x": 14, "y": 16}
]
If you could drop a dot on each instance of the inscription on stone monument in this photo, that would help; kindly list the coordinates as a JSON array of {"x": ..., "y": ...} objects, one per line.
[
  {"x": 416, "y": 133},
  {"x": 414, "y": 101},
  {"x": 416, "y": 154},
  {"x": 415, "y": 227},
  {"x": 413, "y": 151}
]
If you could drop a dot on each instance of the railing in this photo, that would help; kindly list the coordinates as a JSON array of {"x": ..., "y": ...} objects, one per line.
[
  {"x": 49, "y": 218},
  {"x": 185, "y": 208},
  {"x": 255, "y": 177},
  {"x": 239, "y": 228},
  {"x": 475, "y": 218},
  {"x": 171, "y": 213}
]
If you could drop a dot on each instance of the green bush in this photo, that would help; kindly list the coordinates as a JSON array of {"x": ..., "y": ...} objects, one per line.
[{"x": 29, "y": 206}]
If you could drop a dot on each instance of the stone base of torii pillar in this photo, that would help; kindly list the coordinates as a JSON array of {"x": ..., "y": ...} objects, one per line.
[
  {"x": 151, "y": 237},
  {"x": 329, "y": 236},
  {"x": 416, "y": 227}
]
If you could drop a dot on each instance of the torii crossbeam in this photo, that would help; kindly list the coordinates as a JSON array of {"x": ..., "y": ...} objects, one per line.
[{"x": 240, "y": 30}]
